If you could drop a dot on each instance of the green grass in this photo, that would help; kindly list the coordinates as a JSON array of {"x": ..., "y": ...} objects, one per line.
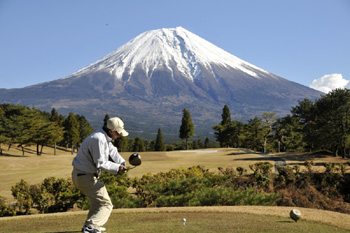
[{"x": 171, "y": 222}]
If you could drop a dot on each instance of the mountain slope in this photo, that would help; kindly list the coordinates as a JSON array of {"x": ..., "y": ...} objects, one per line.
[{"x": 150, "y": 79}]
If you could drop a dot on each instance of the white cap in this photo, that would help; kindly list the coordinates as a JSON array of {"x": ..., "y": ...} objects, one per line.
[{"x": 117, "y": 124}]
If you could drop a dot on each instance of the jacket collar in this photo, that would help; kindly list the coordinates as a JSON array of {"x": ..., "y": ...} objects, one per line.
[{"x": 109, "y": 139}]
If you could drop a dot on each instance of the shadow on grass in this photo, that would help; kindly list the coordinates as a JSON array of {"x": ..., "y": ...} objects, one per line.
[
  {"x": 9, "y": 155},
  {"x": 62, "y": 231},
  {"x": 285, "y": 221}
]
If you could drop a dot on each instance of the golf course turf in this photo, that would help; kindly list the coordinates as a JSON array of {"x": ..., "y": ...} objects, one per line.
[{"x": 199, "y": 219}]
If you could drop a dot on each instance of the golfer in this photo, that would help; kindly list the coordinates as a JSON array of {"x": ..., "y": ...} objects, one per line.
[{"x": 97, "y": 153}]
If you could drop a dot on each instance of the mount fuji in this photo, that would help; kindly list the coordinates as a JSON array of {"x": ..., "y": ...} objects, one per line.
[{"x": 150, "y": 79}]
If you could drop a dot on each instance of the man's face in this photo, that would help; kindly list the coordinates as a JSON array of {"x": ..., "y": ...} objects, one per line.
[{"x": 114, "y": 134}]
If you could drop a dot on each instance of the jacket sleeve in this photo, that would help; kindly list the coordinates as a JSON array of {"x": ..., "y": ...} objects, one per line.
[
  {"x": 115, "y": 156},
  {"x": 101, "y": 153}
]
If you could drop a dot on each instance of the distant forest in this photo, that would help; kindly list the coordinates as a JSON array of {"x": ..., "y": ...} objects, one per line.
[{"x": 322, "y": 124}]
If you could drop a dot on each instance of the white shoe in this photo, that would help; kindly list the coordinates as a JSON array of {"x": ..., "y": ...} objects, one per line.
[
  {"x": 102, "y": 229},
  {"x": 87, "y": 229}
]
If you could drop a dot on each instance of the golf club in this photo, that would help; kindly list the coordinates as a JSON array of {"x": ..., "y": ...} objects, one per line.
[
  {"x": 295, "y": 214},
  {"x": 134, "y": 160}
]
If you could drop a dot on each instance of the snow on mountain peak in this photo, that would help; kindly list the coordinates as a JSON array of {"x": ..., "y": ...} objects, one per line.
[{"x": 158, "y": 48}]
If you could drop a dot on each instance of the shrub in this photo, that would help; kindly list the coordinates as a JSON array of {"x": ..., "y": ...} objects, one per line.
[
  {"x": 285, "y": 176},
  {"x": 21, "y": 192},
  {"x": 241, "y": 170},
  {"x": 170, "y": 147},
  {"x": 52, "y": 195},
  {"x": 195, "y": 186},
  {"x": 41, "y": 198},
  {"x": 6, "y": 209},
  {"x": 117, "y": 187},
  {"x": 262, "y": 173},
  {"x": 57, "y": 195}
]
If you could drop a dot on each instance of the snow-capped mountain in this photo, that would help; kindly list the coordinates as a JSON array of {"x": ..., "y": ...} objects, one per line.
[
  {"x": 156, "y": 49},
  {"x": 149, "y": 80}
]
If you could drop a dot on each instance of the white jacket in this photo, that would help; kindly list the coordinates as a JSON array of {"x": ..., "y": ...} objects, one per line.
[{"x": 94, "y": 153}]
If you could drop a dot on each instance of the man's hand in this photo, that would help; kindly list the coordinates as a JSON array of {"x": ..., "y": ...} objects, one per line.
[{"x": 122, "y": 169}]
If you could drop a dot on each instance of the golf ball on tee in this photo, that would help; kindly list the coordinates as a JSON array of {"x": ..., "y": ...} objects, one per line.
[{"x": 184, "y": 220}]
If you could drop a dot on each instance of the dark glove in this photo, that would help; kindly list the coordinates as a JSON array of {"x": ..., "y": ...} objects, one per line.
[{"x": 122, "y": 169}]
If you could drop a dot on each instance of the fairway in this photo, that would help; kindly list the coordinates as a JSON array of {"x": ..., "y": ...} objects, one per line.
[
  {"x": 199, "y": 219},
  {"x": 155, "y": 162}
]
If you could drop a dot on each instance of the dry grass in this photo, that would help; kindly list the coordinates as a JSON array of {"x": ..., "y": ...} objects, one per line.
[
  {"x": 32, "y": 168},
  {"x": 298, "y": 158},
  {"x": 323, "y": 216},
  {"x": 154, "y": 162},
  {"x": 199, "y": 219}
]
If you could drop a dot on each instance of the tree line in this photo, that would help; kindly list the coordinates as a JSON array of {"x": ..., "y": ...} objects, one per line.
[
  {"x": 186, "y": 131},
  {"x": 24, "y": 126},
  {"x": 322, "y": 124}
]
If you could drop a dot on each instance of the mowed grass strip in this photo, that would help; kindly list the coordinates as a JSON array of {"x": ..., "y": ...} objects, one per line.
[
  {"x": 155, "y": 162},
  {"x": 169, "y": 220}
]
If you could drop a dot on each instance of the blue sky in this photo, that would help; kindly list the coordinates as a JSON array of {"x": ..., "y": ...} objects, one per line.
[{"x": 300, "y": 40}]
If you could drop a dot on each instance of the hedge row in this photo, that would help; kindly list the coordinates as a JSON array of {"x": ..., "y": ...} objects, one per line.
[{"x": 195, "y": 186}]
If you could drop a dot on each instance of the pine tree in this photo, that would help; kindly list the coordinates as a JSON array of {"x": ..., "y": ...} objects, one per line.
[
  {"x": 226, "y": 115},
  {"x": 187, "y": 128},
  {"x": 54, "y": 116},
  {"x": 200, "y": 143},
  {"x": 138, "y": 145},
  {"x": 3, "y": 138},
  {"x": 71, "y": 126},
  {"x": 30, "y": 123},
  {"x": 253, "y": 134},
  {"x": 195, "y": 145},
  {"x": 105, "y": 120},
  {"x": 13, "y": 117},
  {"x": 159, "y": 146},
  {"x": 122, "y": 144},
  {"x": 85, "y": 129},
  {"x": 221, "y": 132},
  {"x": 50, "y": 133},
  {"x": 58, "y": 120},
  {"x": 206, "y": 143}
]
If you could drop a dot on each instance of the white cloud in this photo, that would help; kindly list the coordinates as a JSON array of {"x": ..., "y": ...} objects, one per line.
[{"x": 330, "y": 82}]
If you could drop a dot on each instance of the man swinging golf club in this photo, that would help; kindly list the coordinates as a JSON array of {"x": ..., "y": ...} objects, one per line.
[{"x": 97, "y": 153}]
